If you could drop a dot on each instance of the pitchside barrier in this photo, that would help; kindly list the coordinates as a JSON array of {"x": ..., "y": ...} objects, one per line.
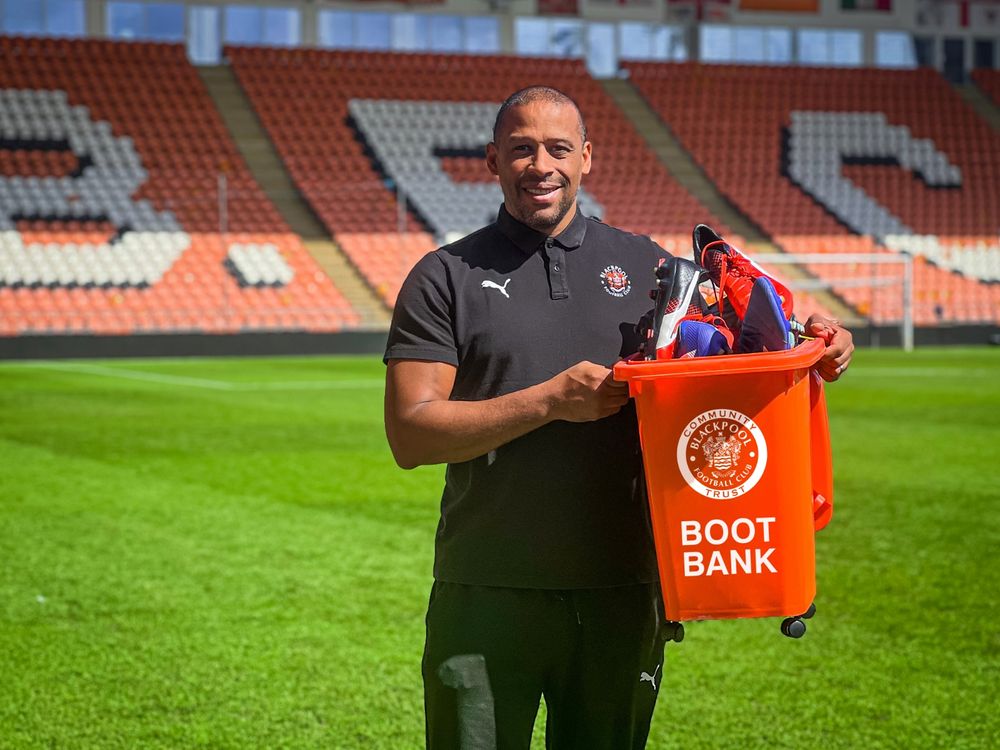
[{"x": 738, "y": 471}]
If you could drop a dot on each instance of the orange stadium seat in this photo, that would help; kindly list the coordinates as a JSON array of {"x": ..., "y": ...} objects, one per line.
[
  {"x": 989, "y": 81},
  {"x": 733, "y": 120},
  {"x": 153, "y": 98},
  {"x": 302, "y": 99}
]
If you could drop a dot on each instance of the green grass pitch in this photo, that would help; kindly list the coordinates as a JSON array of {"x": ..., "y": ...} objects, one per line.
[{"x": 221, "y": 553}]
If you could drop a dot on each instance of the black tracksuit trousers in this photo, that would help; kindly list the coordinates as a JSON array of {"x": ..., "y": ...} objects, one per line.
[{"x": 596, "y": 655}]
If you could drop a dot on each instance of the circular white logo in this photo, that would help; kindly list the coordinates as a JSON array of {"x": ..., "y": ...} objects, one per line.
[
  {"x": 616, "y": 282},
  {"x": 722, "y": 454}
]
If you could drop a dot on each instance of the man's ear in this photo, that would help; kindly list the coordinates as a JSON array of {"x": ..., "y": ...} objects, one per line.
[
  {"x": 586, "y": 152},
  {"x": 491, "y": 158}
]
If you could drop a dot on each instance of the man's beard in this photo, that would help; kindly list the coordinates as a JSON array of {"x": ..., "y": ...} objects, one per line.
[{"x": 541, "y": 221}]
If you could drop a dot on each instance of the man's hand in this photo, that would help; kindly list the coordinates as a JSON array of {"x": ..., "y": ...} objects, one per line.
[
  {"x": 839, "y": 346},
  {"x": 586, "y": 392}
]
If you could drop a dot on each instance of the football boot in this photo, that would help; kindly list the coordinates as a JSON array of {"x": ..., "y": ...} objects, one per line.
[
  {"x": 677, "y": 297},
  {"x": 765, "y": 327},
  {"x": 734, "y": 274},
  {"x": 699, "y": 338}
]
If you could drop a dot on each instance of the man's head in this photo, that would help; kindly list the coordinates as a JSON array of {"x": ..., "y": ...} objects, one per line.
[{"x": 540, "y": 152}]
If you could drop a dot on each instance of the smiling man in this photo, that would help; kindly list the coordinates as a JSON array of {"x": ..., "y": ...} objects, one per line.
[
  {"x": 498, "y": 366},
  {"x": 541, "y": 158}
]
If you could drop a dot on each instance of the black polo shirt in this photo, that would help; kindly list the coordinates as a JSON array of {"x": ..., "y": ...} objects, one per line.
[{"x": 563, "y": 506}]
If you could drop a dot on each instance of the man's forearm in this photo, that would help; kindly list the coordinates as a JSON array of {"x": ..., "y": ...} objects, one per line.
[{"x": 443, "y": 431}]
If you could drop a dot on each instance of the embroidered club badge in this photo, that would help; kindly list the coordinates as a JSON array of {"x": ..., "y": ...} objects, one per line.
[{"x": 615, "y": 281}]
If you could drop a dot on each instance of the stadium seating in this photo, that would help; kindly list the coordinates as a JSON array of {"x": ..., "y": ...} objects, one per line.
[
  {"x": 989, "y": 81},
  {"x": 304, "y": 99},
  {"x": 110, "y": 203},
  {"x": 838, "y": 153}
]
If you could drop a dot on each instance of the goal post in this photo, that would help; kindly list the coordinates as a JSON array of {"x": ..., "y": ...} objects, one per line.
[{"x": 888, "y": 271}]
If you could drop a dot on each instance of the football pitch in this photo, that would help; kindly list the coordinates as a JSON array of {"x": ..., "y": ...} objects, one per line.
[{"x": 221, "y": 553}]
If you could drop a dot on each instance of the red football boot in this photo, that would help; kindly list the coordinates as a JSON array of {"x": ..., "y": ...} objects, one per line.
[{"x": 733, "y": 273}]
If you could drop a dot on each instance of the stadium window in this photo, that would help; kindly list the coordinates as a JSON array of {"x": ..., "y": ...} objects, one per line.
[
  {"x": 410, "y": 32},
  {"x": 23, "y": 18},
  {"x": 602, "y": 62},
  {"x": 164, "y": 22},
  {"x": 821, "y": 47},
  {"x": 157, "y": 21},
  {"x": 748, "y": 45},
  {"x": 668, "y": 44},
  {"x": 336, "y": 29},
  {"x": 643, "y": 41},
  {"x": 549, "y": 37},
  {"x": 446, "y": 33},
  {"x": 845, "y": 48},
  {"x": 281, "y": 27},
  {"x": 635, "y": 40},
  {"x": 813, "y": 47},
  {"x": 894, "y": 49},
  {"x": 778, "y": 46},
  {"x": 715, "y": 43},
  {"x": 482, "y": 35},
  {"x": 372, "y": 31},
  {"x": 531, "y": 36},
  {"x": 203, "y": 36},
  {"x": 566, "y": 38},
  {"x": 65, "y": 18},
  {"x": 983, "y": 53},
  {"x": 242, "y": 24},
  {"x": 125, "y": 20},
  {"x": 923, "y": 47}
]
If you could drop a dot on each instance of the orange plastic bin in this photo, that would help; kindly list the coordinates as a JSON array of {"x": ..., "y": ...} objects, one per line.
[{"x": 737, "y": 460}]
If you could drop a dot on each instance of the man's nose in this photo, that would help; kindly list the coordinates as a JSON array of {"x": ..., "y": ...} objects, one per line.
[{"x": 541, "y": 161}]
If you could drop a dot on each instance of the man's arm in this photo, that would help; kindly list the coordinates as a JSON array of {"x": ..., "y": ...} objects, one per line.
[
  {"x": 839, "y": 346},
  {"x": 425, "y": 427}
]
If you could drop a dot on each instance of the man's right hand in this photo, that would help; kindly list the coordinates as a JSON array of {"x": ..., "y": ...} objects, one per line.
[{"x": 586, "y": 392}]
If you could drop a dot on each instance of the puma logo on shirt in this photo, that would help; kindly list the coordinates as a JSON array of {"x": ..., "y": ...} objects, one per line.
[{"x": 493, "y": 285}]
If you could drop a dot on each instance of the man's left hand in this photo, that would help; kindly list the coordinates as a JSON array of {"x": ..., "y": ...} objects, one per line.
[{"x": 839, "y": 346}]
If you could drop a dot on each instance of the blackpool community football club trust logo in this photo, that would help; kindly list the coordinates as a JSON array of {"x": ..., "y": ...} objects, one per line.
[
  {"x": 615, "y": 281},
  {"x": 722, "y": 454}
]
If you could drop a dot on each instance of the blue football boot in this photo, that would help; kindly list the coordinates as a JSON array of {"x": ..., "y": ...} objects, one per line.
[
  {"x": 765, "y": 327},
  {"x": 696, "y": 338}
]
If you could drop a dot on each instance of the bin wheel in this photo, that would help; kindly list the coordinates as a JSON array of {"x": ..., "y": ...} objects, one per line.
[
  {"x": 793, "y": 627},
  {"x": 809, "y": 612},
  {"x": 675, "y": 631}
]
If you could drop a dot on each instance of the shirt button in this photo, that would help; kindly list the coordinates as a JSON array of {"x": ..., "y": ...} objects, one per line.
[{"x": 555, "y": 267}]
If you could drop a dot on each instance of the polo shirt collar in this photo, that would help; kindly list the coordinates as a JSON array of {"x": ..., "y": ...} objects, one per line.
[{"x": 528, "y": 240}]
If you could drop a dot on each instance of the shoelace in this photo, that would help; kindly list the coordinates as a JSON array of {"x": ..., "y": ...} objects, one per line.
[{"x": 720, "y": 290}]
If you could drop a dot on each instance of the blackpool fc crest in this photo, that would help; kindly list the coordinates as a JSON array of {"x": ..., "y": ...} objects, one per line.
[{"x": 722, "y": 454}]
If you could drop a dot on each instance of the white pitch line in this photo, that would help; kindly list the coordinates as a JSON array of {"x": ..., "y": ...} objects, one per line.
[
  {"x": 310, "y": 385},
  {"x": 215, "y": 385},
  {"x": 152, "y": 377}
]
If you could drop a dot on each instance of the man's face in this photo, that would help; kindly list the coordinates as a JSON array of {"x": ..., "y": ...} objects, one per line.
[{"x": 540, "y": 157}]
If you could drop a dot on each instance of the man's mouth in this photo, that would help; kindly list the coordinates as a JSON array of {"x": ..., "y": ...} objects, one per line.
[{"x": 542, "y": 191}]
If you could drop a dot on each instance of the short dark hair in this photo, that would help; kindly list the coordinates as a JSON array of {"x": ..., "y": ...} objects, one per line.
[{"x": 538, "y": 94}]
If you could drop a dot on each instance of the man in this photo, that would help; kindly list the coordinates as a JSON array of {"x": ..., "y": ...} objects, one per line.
[{"x": 498, "y": 357}]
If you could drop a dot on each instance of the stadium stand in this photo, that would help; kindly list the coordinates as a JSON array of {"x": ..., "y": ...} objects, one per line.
[
  {"x": 304, "y": 98},
  {"x": 813, "y": 156},
  {"x": 989, "y": 82},
  {"x": 110, "y": 155}
]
